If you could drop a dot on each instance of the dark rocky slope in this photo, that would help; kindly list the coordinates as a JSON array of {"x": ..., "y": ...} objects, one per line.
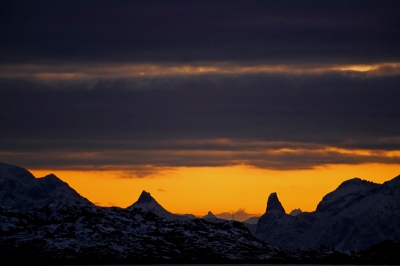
[{"x": 357, "y": 215}]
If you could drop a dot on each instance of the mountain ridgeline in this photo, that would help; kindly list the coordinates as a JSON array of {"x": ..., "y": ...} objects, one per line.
[
  {"x": 147, "y": 203},
  {"x": 20, "y": 189},
  {"x": 48, "y": 212},
  {"x": 355, "y": 216}
]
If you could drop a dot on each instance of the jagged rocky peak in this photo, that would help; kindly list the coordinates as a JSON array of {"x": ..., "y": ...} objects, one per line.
[
  {"x": 274, "y": 204},
  {"x": 354, "y": 216},
  {"x": 210, "y": 215},
  {"x": 145, "y": 197},
  {"x": 356, "y": 182},
  {"x": 147, "y": 203}
]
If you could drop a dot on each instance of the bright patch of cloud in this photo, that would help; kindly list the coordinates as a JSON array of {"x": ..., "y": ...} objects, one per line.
[{"x": 101, "y": 71}]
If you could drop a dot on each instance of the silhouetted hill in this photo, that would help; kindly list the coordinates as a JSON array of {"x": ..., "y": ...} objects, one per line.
[
  {"x": 147, "y": 203},
  {"x": 355, "y": 216},
  {"x": 20, "y": 189}
]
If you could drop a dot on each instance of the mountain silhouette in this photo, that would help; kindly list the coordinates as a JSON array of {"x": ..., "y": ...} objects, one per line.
[
  {"x": 21, "y": 190},
  {"x": 147, "y": 203},
  {"x": 355, "y": 216}
]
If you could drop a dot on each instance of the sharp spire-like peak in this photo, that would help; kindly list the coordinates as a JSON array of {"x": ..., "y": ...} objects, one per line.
[
  {"x": 274, "y": 204},
  {"x": 210, "y": 215},
  {"x": 145, "y": 197}
]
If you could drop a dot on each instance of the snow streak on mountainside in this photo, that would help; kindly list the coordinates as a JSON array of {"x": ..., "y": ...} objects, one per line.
[
  {"x": 357, "y": 215},
  {"x": 20, "y": 189}
]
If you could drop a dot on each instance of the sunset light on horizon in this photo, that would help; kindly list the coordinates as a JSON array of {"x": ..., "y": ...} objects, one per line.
[
  {"x": 198, "y": 190},
  {"x": 207, "y": 105}
]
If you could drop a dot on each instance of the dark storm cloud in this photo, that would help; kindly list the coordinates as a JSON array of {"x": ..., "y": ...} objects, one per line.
[
  {"x": 266, "y": 120},
  {"x": 141, "y": 163},
  {"x": 186, "y": 31},
  {"x": 141, "y": 85},
  {"x": 331, "y": 109}
]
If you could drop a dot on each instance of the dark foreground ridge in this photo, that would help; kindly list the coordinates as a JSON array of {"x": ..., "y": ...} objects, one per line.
[{"x": 78, "y": 234}]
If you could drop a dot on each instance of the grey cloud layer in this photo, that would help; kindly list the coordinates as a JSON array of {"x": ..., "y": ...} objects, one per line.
[
  {"x": 330, "y": 109},
  {"x": 142, "y": 163},
  {"x": 153, "y": 31},
  {"x": 266, "y": 120},
  {"x": 71, "y": 95}
]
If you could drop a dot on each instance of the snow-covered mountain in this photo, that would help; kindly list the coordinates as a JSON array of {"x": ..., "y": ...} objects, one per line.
[
  {"x": 20, "y": 189},
  {"x": 147, "y": 203},
  {"x": 355, "y": 216}
]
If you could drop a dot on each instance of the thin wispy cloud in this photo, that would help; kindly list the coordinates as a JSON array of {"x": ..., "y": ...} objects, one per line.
[{"x": 112, "y": 71}]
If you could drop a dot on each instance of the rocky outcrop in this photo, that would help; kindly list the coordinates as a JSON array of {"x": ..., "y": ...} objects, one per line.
[{"x": 357, "y": 215}]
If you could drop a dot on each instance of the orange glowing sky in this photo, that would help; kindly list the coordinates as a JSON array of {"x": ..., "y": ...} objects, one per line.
[
  {"x": 206, "y": 107},
  {"x": 197, "y": 190}
]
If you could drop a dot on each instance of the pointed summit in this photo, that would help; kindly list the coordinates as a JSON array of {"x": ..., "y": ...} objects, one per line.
[
  {"x": 210, "y": 215},
  {"x": 145, "y": 197},
  {"x": 274, "y": 204},
  {"x": 147, "y": 203}
]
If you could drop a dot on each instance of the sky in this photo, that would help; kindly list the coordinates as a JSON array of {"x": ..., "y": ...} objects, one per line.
[{"x": 207, "y": 105}]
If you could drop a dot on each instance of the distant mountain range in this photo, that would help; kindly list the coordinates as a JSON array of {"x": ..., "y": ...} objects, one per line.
[
  {"x": 46, "y": 212},
  {"x": 355, "y": 216}
]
